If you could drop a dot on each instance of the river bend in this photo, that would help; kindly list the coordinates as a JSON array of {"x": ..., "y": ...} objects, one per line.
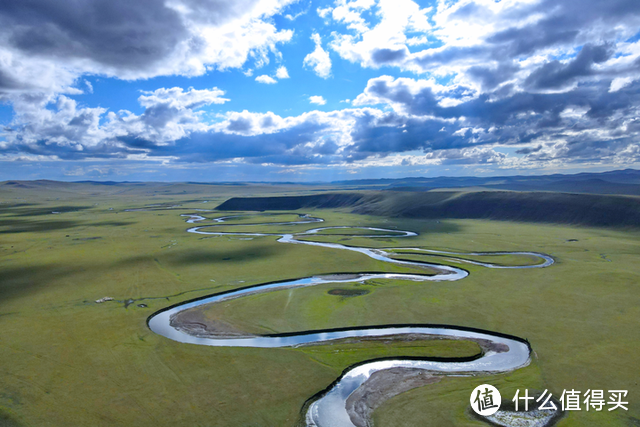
[{"x": 329, "y": 409}]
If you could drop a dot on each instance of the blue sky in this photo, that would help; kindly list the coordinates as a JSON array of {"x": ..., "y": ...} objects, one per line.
[{"x": 282, "y": 90}]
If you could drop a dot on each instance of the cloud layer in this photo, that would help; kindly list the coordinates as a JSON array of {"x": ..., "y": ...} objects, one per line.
[{"x": 512, "y": 84}]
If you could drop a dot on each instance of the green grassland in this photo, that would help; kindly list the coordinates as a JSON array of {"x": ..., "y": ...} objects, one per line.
[{"x": 66, "y": 360}]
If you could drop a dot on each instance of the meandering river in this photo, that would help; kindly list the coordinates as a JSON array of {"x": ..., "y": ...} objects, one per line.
[{"x": 505, "y": 353}]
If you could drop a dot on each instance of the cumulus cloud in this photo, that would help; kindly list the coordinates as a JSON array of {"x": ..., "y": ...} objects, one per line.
[
  {"x": 620, "y": 82},
  {"x": 538, "y": 45},
  {"x": 582, "y": 124},
  {"x": 47, "y": 46},
  {"x": 319, "y": 59},
  {"x": 173, "y": 128},
  {"x": 266, "y": 79},
  {"x": 177, "y": 98},
  {"x": 58, "y": 127},
  {"x": 317, "y": 99},
  {"x": 386, "y": 42},
  {"x": 266, "y": 139},
  {"x": 282, "y": 73}
]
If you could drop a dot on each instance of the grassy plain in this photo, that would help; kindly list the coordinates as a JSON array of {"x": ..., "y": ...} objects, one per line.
[{"x": 67, "y": 360}]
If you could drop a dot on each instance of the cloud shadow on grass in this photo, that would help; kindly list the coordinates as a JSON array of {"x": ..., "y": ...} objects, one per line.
[
  {"x": 11, "y": 226},
  {"x": 21, "y": 210},
  {"x": 205, "y": 256},
  {"x": 21, "y": 281}
]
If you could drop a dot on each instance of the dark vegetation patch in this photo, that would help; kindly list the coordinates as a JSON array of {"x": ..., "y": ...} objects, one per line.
[
  {"x": 604, "y": 257},
  {"x": 6, "y": 420},
  {"x": 348, "y": 292}
]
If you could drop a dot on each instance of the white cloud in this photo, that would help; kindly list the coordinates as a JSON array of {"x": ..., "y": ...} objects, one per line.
[
  {"x": 408, "y": 87},
  {"x": 282, "y": 72},
  {"x": 349, "y": 13},
  {"x": 386, "y": 43},
  {"x": 177, "y": 98},
  {"x": 230, "y": 46},
  {"x": 176, "y": 37},
  {"x": 172, "y": 128},
  {"x": 23, "y": 73},
  {"x": 324, "y": 12},
  {"x": 170, "y": 114},
  {"x": 317, "y": 99},
  {"x": 291, "y": 17},
  {"x": 318, "y": 59},
  {"x": 416, "y": 41},
  {"x": 266, "y": 79},
  {"x": 484, "y": 45},
  {"x": 620, "y": 82}
]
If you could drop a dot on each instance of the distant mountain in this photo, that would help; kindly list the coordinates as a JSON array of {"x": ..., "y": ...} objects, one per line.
[
  {"x": 614, "y": 182},
  {"x": 623, "y": 182}
]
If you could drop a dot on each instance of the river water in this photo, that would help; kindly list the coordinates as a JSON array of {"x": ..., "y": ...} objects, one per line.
[{"x": 329, "y": 410}]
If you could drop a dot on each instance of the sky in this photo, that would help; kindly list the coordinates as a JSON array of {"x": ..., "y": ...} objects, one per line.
[{"x": 285, "y": 90}]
